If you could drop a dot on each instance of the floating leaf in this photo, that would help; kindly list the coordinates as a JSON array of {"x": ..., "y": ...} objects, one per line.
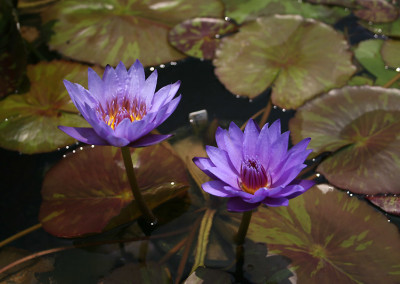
[
  {"x": 293, "y": 59},
  {"x": 88, "y": 192},
  {"x": 390, "y": 204},
  {"x": 388, "y": 29},
  {"x": 13, "y": 55},
  {"x": 330, "y": 238},
  {"x": 391, "y": 53},
  {"x": 110, "y": 31},
  {"x": 199, "y": 37},
  {"x": 368, "y": 54},
  {"x": 360, "y": 80},
  {"x": 28, "y": 122},
  {"x": 360, "y": 125},
  {"x": 244, "y": 11},
  {"x": 380, "y": 11}
]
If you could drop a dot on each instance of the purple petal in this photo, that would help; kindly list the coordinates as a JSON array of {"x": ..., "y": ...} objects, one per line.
[
  {"x": 221, "y": 159},
  {"x": 278, "y": 150},
  {"x": 238, "y": 205},
  {"x": 136, "y": 129},
  {"x": 95, "y": 85},
  {"x": 149, "y": 139},
  {"x": 234, "y": 150},
  {"x": 275, "y": 202},
  {"x": 225, "y": 175},
  {"x": 236, "y": 135},
  {"x": 169, "y": 109},
  {"x": 220, "y": 135},
  {"x": 85, "y": 135},
  {"x": 251, "y": 133},
  {"x": 136, "y": 79},
  {"x": 110, "y": 83},
  {"x": 216, "y": 188},
  {"x": 164, "y": 95},
  {"x": 79, "y": 95},
  {"x": 274, "y": 131},
  {"x": 305, "y": 184},
  {"x": 204, "y": 164},
  {"x": 288, "y": 176},
  {"x": 147, "y": 91},
  {"x": 117, "y": 141},
  {"x": 258, "y": 196}
]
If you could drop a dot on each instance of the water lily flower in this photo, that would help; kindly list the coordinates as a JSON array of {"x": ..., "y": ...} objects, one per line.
[
  {"x": 122, "y": 107},
  {"x": 254, "y": 167}
]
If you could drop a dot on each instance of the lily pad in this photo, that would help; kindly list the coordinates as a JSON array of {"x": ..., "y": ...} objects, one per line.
[
  {"x": 368, "y": 53},
  {"x": 390, "y": 204},
  {"x": 88, "y": 192},
  {"x": 28, "y": 122},
  {"x": 110, "y": 31},
  {"x": 391, "y": 53},
  {"x": 380, "y": 11},
  {"x": 13, "y": 54},
  {"x": 360, "y": 126},
  {"x": 199, "y": 37},
  {"x": 388, "y": 29},
  {"x": 245, "y": 11},
  {"x": 292, "y": 59},
  {"x": 330, "y": 238},
  {"x": 344, "y": 3}
]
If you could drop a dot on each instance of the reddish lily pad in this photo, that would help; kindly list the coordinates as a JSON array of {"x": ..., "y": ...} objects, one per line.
[
  {"x": 360, "y": 126},
  {"x": 368, "y": 53},
  {"x": 390, "y": 204},
  {"x": 28, "y": 122},
  {"x": 245, "y": 11},
  {"x": 113, "y": 31},
  {"x": 199, "y": 37},
  {"x": 292, "y": 59},
  {"x": 88, "y": 192},
  {"x": 380, "y": 11},
  {"x": 330, "y": 238},
  {"x": 13, "y": 55},
  {"x": 391, "y": 53},
  {"x": 344, "y": 3}
]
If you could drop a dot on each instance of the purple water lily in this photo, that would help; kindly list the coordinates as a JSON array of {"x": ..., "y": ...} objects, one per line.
[
  {"x": 254, "y": 167},
  {"x": 122, "y": 107}
]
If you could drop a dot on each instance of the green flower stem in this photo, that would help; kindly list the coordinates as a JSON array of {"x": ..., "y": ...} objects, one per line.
[
  {"x": 126, "y": 155},
  {"x": 244, "y": 225}
]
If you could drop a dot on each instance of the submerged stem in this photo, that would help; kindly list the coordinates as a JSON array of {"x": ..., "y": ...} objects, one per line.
[
  {"x": 20, "y": 234},
  {"x": 267, "y": 111},
  {"x": 126, "y": 155},
  {"x": 244, "y": 225},
  {"x": 392, "y": 81}
]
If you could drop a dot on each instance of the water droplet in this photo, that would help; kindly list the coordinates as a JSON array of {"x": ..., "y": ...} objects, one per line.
[
  {"x": 283, "y": 110},
  {"x": 6, "y": 119},
  {"x": 376, "y": 36},
  {"x": 313, "y": 160},
  {"x": 275, "y": 107},
  {"x": 92, "y": 146},
  {"x": 67, "y": 147},
  {"x": 152, "y": 68},
  {"x": 318, "y": 174},
  {"x": 250, "y": 100},
  {"x": 227, "y": 19},
  {"x": 172, "y": 183},
  {"x": 173, "y": 63},
  {"x": 162, "y": 66},
  {"x": 64, "y": 156},
  {"x": 388, "y": 221},
  {"x": 398, "y": 69},
  {"x": 217, "y": 36},
  {"x": 348, "y": 192},
  {"x": 351, "y": 194},
  {"x": 386, "y": 67},
  {"x": 379, "y": 31},
  {"x": 73, "y": 151},
  {"x": 58, "y": 149},
  {"x": 81, "y": 148},
  {"x": 370, "y": 23},
  {"x": 237, "y": 96}
]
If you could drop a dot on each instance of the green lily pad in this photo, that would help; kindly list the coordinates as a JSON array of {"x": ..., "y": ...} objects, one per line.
[
  {"x": 368, "y": 53},
  {"x": 380, "y": 11},
  {"x": 360, "y": 126},
  {"x": 28, "y": 122},
  {"x": 292, "y": 59},
  {"x": 88, "y": 192},
  {"x": 13, "y": 55},
  {"x": 199, "y": 37},
  {"x": 110, "y": 31},
  {"x": 330, "y": 238},
  {"x": 390, "y": 204},
  {"x": 245, "y": 11},
  {"x": 360, "y": 80},
  {"x": 391, "y": 53}
]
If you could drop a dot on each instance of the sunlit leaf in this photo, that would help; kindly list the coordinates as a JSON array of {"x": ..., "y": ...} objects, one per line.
[
  {"x": 379, "y": 11},
  {"x": 390, "y": 204},
  {"x": 28, "y": 122},
  {"x": 391, "y": 53},
  {"x": 244, "y": 11},
  {"x": 330, "y": 238},
  {"x": 13, "y": 55},
  {"x": 88, "y": 192},
  {"x": 360, "y": 126},
  {"x": 107, "y": 32},
  {"x": 199, "y": 37},
  {"x": 292, "y": 59},
  {"x": 368, "y": 53}
]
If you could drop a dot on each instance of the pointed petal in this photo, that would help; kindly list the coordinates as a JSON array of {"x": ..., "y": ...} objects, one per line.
[
  {"x": 275, "y": 202},
  {"x": 204, "y": 164},
  {"x": 85, "y": 135},
  {"x": 216, "y": 188},
  {"x": 279, "y": 150},
  {"x": 147, "y": 91},
  {"x": 220, "y": 138},
  {"x": 164, "y": 95},
  {"x": 136, "y": 79},
  {"x": 149, "y": 139},
  {"x": 110, "y": 83},
  {"x": 288, "y": 176},
  {"x": 305, "y": 184},
  {"x": 238, "y": 205},
  {"x": 221, "y": 160},
  {"x": 251, "y": 133},
  {"x": 95, "y": 85}
]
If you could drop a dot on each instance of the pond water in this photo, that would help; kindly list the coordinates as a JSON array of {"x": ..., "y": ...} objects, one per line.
[{"x": 328, "y": 81}]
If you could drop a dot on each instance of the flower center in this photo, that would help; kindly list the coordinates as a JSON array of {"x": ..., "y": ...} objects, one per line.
[
  {"x": 253, "y": 176},
  {"x": 114, "y": 112}
]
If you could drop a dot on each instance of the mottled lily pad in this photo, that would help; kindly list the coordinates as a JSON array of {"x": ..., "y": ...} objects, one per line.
[
  {"x": 379, "y": 11},
  {"x": 88, "y": 192},
  {"x": 13, "y": 55},
  {"x": 388, "y": 29},
  {"x": 245, "y": 11},
  {"x": 360, "y": 126},
  {"x": 199, "y": 37},
  {"x": 391, "y": 53},
  {"x": 330, "y": 238},
  {"x": 368, "y": 53},
  {"x": 28, "y": 122},
  {"x": 292, "y": 59},
  {"x": 390, "y": 204},
  {"x": 110, "y": 31}
]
